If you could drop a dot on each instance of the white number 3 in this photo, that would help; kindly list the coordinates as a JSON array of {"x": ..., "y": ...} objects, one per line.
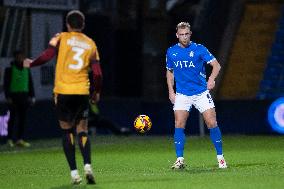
[{"x": 78, "y": 52}]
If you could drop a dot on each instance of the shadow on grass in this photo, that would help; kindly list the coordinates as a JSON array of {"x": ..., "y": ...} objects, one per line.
[
  {"x": 141, "y": 180},
  {"x": 210, "y": 169},
  {"x": 69, "y": 186},
  {"x": 169, "y": 176},
  {"x": 259, "y": 164},
  {"x": 200, "y": 170}
]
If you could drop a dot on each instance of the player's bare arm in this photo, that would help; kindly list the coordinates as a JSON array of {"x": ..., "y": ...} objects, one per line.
[
  {"x": 170, "y": 82},
  {"x": 215, "y": 71}
]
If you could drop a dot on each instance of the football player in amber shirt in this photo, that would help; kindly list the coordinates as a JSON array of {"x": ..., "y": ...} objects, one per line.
[{"x": 76, "y": 54}]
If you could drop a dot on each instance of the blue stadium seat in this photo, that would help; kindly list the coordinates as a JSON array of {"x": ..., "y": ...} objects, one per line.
[
  {"x": 277, "y": 49},
  {"x": 275, "y": 60},
  {"x": 272, "y": 84},
  {"x": 281, "y": 83}
]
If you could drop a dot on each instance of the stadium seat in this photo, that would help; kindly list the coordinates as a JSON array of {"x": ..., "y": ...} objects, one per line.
[{"x": 272, "y": 83}]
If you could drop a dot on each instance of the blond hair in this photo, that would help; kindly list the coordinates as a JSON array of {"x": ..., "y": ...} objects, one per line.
[{"x": 183, "y": 25}]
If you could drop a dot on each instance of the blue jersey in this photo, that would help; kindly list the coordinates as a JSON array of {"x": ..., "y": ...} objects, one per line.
[{"x": 188, "y": 66}]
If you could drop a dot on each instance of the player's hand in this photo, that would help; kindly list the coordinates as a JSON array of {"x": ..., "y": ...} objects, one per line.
[
  {"x": 172, "y": 97},
  {"x": 210, "y": 84},
  {"x": 27, "y": 62},
  {"x": 95, "y": 97}
]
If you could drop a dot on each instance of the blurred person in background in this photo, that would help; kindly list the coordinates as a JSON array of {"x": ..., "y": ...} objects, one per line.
[
  {"x": 19, "y": 93},
  {"x": 96, "y": 120},
  {"x": 185, "y": 63},
  {"x": 76, "y": 54}
]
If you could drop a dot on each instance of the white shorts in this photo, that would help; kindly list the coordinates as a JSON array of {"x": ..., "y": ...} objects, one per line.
[{"x": 202, "y": 102}]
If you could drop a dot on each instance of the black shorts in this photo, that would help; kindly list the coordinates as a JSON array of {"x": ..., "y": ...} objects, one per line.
[{"x": 71, "y": 108}]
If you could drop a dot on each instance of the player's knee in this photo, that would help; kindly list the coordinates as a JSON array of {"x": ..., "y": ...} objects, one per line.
[
  {"x": 179, "y": 124},
  {"x": 65, "y": 125},
  {"x": 82, "y": 128},
  {"x": 211, "y": 123}
]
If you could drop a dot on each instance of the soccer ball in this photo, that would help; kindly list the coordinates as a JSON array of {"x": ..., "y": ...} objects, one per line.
[{"x": 142, "y": 123}]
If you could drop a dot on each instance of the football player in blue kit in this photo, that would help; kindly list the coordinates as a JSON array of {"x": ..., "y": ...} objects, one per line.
[{"x": 185, "y": 62}]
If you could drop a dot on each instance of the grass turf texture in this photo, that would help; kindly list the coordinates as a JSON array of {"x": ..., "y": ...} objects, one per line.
[{"x": 144, "y": 162}]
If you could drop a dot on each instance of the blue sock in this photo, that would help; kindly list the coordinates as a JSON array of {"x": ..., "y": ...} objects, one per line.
[
  {"x": 216, "y": 138},
  {"x": 179, "y": 140}
]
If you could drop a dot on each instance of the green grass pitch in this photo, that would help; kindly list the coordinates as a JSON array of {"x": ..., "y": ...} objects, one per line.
[{"x": 137, "y": 162}]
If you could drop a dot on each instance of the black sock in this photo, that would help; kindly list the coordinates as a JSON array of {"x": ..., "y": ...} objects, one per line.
[
  {"x": 85, "y": 147},
  {"x": 69, "y": 147}
]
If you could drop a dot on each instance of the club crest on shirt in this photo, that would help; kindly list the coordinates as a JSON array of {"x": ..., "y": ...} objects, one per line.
[{"x": 191, "y": 54}]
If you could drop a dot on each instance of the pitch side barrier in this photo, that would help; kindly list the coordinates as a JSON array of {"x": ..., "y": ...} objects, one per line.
[{"x": 248, "y": 117}]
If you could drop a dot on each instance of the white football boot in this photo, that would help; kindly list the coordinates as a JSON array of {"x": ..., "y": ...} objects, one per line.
[
  {"x": 89, "y": 174},
  {"x": 221, "y": 162},
  {"x": 179, "y": 164},
  {"x": 75, "y": 177}
]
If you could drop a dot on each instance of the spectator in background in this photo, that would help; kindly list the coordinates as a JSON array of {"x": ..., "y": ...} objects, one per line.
[{"x": 19, "y": 93}]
